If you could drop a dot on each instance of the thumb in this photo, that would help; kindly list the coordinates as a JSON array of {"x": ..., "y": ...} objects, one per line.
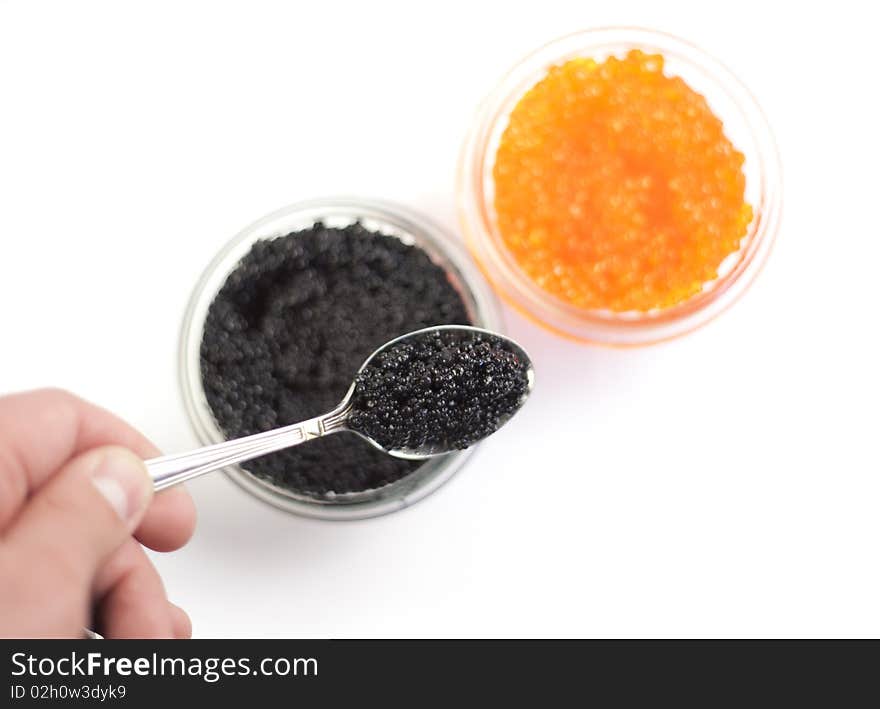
[{"x": 81, "y": 516}]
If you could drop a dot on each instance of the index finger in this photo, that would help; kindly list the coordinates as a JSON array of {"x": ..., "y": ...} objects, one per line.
[{"x": 41, "y": 430}]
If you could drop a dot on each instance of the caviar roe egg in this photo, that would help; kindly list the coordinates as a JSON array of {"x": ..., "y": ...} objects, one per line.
[{"x": 616, "y": 187}]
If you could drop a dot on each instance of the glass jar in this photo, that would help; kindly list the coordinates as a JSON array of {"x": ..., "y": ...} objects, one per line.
[
  {"x": 395, "y": 221},
  {"x": 744, "y": 124}
]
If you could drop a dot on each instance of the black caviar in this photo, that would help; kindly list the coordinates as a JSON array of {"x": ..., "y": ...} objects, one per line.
[
  {"x": 439, "y": 390},
  {"x": 291, "y": 326}
]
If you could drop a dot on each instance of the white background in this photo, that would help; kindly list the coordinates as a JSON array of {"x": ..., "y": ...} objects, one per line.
[{"x": 725, "y": 484}]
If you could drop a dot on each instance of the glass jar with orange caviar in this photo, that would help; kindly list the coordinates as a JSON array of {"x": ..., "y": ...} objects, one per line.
[{"x": 620, "y": 187}]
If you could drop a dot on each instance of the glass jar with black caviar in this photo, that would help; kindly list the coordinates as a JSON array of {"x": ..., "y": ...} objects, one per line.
[{"x": 285, "y": 314}]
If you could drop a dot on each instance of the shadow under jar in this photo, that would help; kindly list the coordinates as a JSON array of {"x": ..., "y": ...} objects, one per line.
[{"x": 275, "y": 324}]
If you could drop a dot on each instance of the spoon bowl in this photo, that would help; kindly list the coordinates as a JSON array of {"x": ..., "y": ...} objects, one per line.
[{"x": 432, "y": 447}]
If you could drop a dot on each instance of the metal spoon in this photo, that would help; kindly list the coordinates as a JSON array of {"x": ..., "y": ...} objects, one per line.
[{"x": 172, "y": 469}]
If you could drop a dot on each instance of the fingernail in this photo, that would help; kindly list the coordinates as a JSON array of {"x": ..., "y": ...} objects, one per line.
[{"x": 122, "y": 479}]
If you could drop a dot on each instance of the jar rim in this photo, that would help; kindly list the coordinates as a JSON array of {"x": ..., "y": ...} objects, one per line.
[
  {"x": 476, "y": 211},
  {"x": 391, "y": 219}
]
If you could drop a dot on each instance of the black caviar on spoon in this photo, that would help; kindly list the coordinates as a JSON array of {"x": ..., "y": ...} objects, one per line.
[
  {"x": 439, "y": 389},
  {"x": 423, "y": 394}
]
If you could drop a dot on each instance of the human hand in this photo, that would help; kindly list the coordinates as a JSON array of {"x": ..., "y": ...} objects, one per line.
[{"x": 73, "y": 491}]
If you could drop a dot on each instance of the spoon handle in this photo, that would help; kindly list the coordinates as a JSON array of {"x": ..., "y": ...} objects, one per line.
[{"x": 169, "y": 470}]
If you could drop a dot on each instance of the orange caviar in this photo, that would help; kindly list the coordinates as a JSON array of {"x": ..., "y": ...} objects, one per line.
[{"x": 615, "y": 186}]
